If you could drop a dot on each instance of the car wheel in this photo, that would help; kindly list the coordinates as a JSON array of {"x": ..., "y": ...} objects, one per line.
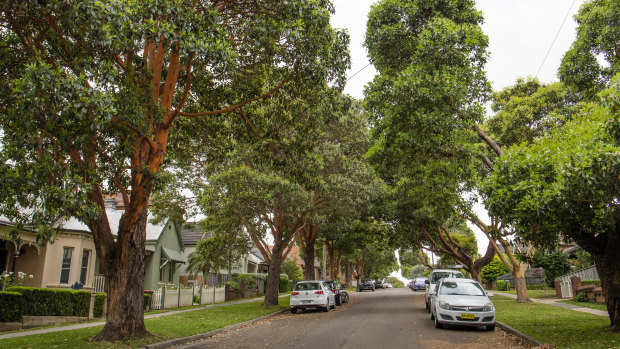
[
  {"x": 432, "y": 316},
  {"x": 338, "y": 301},
  {"x": 293, "y": 310},
  {"x": 428, "y": 308},
  {"x": 326, "y": 308},
  {"x": 437, "y": 323},
  {"x": 490, "y": 327}
]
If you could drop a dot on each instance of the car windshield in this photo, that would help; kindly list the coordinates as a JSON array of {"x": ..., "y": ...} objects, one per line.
[
  {"x": 461, "y": 288},
  {"x": 307, "y": 287},
  {"x": 444, "y": 274}
]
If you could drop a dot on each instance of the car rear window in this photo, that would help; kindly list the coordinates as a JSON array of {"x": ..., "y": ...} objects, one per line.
[{"x": 307, "y": 287}]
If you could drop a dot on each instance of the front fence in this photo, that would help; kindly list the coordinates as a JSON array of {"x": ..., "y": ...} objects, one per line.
[
  {"x": 164, "y": 298},
  {"x": 589, "y": 273}
]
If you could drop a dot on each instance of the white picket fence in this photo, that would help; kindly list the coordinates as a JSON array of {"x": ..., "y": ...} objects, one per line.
[
  {"x": 164, "y": 298},
  {"x": 589, "y": 273}
]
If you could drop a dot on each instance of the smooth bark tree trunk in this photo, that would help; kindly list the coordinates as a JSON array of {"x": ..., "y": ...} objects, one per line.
[
  {"x": 330, "y": 257},
  {"x": 348, "y": 273},
  {"x": 273, "y": 275},
  {"x": 124, "y": 274},
  {"x": 520, "y": 284}
]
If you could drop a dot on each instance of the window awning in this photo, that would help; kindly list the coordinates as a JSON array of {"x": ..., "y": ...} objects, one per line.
[{"x": 173, "y": 255}]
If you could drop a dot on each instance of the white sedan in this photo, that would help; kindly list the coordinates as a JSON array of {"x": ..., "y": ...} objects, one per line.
[
  {"x": 312, "y": 294},
  {"x": 462, "y": 302}
]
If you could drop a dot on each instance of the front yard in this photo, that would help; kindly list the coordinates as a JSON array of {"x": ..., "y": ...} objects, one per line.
[
  {"x": 163, "y": 328},
  {"x": 561, "y": 327}
]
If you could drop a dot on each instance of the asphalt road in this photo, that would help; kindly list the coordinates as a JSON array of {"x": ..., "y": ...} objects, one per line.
[{"x": 383, "y": 319}]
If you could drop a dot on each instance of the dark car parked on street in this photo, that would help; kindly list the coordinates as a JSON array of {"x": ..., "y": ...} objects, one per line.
[
  {"x": 419, "y": 284},
  {"x": 341, "y": 294},
  {"x": 366, "y": 285}
]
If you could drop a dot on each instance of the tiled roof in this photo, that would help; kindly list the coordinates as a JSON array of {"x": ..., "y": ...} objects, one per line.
[{"x": 192, "y": 236}]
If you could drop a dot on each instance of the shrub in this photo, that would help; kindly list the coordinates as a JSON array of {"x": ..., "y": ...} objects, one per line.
[
  {"x": 196, "y": 299},
  {"x": 98, "y": 307},
  {"x": 491, "y": 271},
  {"x": 49, "y": 302},
  {"x": 503, "y": 285},
  {"x": 591, "y": 282},
  {"x": 11, "y": 306},
  {"x": 233, "y": 285},
  {"x": 283, "y": 284},
  {"x": 147, "y": 300},
  {"x": 581, "y": 297},
  {"x": 249, "y": 280}
]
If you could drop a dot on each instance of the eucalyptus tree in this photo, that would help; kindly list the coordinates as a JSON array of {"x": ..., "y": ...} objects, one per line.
[
  {"x": 92, "y": 92},
  {"x": 565, "y": 184}
]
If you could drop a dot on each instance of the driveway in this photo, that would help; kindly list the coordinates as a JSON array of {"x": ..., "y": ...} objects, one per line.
[{"x": 388, "y": 318}]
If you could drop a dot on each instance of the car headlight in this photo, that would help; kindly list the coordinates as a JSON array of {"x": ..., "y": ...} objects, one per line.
[
  {"x": 488, "y": 307},
  {"x": 444, "y": 305}
]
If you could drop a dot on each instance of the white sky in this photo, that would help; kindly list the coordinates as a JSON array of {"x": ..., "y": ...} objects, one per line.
[{"x": 520, "y": 34}]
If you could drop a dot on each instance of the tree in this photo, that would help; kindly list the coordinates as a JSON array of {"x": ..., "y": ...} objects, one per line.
[
  {"x": 292, "y": 270},
  {"x": 567, "y": 183},
  {"x": 407, "y": 259},
  {"x": 554, "y": 264},
  {"x": 207, "y": 256},
  {"x": 92, "y": 93},
  {"x": 597, "y": 36},
  {"x": 491, "y": 271}
]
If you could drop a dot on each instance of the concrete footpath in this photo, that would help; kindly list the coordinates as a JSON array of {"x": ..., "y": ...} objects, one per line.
[
  {"x": 557, "y": 303},
  {"x": 102, "y": 322}
]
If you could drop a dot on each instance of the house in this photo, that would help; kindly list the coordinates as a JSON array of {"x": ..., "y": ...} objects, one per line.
[
  {"x": 59, "y": 263},
  {"x": 253, "y": 262},
  {"x": 70, "y": 257}
]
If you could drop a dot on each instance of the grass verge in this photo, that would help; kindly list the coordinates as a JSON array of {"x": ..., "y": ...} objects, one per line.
[
  {"x": 538, "y": 294},
  {"x": 561, "y": 327},
  {"x": 163, "y": 328}
]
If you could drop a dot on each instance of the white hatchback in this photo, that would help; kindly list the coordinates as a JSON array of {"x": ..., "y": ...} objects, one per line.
[
  {"x": 462, "y": 302},
  {"x": 312, "y": 294}
]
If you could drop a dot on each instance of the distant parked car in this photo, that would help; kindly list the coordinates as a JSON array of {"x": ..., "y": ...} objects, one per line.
[
  {"x": 366, "y": 285},
  {"x": 340, "y": 293},
  {"x": 380, "y": 283},
  {"x": 462, "y": 302},
  {"x": 434, "y": 278},
  {"x": 312, "y": 294},
  {"x": 419, "y": 284}
]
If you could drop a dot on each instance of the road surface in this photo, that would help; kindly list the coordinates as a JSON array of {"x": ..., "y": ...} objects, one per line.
[{"x": 383, "y": 319}]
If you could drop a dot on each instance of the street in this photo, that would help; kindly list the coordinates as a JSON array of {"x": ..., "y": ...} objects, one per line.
[{"x": 385, "y": 318}]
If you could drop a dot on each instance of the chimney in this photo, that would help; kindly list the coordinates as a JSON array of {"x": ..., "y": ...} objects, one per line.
[{"x": 110, "y": 203}]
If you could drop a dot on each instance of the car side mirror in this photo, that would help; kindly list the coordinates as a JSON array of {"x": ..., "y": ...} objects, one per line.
[
  {"x": 427, "y": 282},
  {"x": 490, "y": 294},
  {"x": 432, "y": 293}
]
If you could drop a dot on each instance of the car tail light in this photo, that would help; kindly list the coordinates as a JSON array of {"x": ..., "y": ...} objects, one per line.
[
  {"x": 318, "y": 292},
  {"x": 295, "y": 293}
]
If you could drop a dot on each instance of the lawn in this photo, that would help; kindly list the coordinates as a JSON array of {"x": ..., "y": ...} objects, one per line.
[
  {"x": 537, "y": 294},
  {"x": 561, "y": 327},
  {"x": 163, "y": 328}
]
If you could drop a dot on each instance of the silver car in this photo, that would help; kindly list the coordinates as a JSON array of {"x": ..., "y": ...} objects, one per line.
[
  {"x": 462, "y": 302},
  {"x": 434, "y": 278},
  {"x": 312, "y": 294}
]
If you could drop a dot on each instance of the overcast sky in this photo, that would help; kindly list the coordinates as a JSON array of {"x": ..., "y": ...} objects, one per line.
[{"x": 520, "y": 34}]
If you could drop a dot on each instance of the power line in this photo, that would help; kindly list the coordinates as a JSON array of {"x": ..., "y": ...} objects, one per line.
[
  {"x": 555, "y": 38},
  {"x": 359, "y": 71}
]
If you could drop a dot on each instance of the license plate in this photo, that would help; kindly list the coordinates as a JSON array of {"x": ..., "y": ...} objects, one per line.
[
  {"x": 306, "y": 302},
  {"x": 468, "y": 316}
]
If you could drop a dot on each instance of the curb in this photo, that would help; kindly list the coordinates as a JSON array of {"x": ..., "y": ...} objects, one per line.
[
  {"x": 530, "y": 340},
  {"x": 196, "y": 337}
]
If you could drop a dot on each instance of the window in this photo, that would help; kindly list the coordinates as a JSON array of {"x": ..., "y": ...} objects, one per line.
[
  {"x": 65, "y": 268},
  {"x": 84, "y": 270}
]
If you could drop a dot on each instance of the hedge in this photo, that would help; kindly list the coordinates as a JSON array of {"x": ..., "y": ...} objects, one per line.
[
  {"x": 51, "y": 302},
  {"x": 11, "y": 306},
  {"x": 503, "y": 285},
  {"x": 283, "y": 284},
  {"x": 591, "y": 282}
]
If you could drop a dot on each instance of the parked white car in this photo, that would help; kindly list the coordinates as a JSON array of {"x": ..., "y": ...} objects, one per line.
[
  {"x": 312, "y": 294},
  {"x": 434, "y": 278},
  {"x": 462, "y": 302}
]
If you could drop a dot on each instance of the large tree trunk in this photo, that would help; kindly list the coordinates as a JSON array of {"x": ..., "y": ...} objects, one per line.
[
  {"x": 273, "y": 275},
  {"x": 124, "y": 273},
  {"x": 330, "y": 257},
  {"x": 608, "y": 267},
  {"x": 348, "y": 273},
  {"x": 308, "y": 249},
  {"x": 518, "y": 272}
]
